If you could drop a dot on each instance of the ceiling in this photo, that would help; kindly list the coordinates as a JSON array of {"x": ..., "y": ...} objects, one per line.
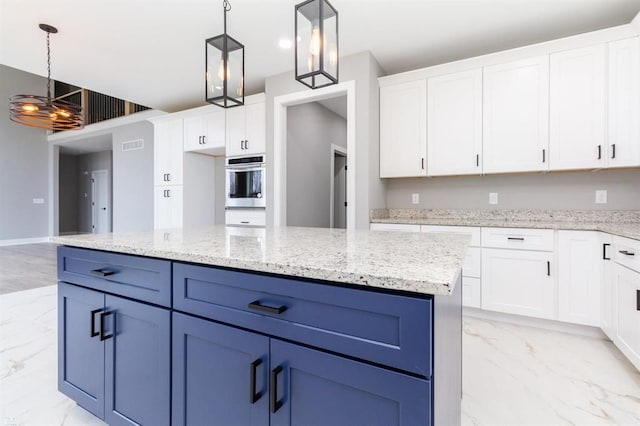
[{"x": 152, "y": 51}]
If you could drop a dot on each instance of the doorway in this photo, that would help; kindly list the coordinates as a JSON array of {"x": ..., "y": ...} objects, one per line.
[
  {"x": 338, "y": 197},
  {"x": 100, "y": 206}
]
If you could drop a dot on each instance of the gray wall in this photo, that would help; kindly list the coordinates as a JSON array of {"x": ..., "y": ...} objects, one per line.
[
  {"x": 68, "y": 194},
  {"x": 133, "y": 179},
  {"x": 364, "y": 70},
  {"x": 87, "y": 163},
  {"x": 311, "y": 129},
  {"x": 563, "y": 191},
  {"x": 24, "y": 164}
]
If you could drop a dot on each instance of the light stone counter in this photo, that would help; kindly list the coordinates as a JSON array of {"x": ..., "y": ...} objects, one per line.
[
  {"x": 615, "y": 222},
  {"x": 422, "y": 262}
]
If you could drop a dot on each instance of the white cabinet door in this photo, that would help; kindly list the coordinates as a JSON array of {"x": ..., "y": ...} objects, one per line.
[
  {"x": 577, "y": 109},
  {"x": 403, "y": 130},
  {"x": 624, "y": 103},
  {"x": 628, "y": 313},
  {"x": 516, "y": 116},
  {"x": 454, "y": 124},
  {"x": 608, "y": 293},
  {"x": 579, "y": 277},
  {"x": 235, "y": 134},
  {"x": 255, "y": 129},
  {"x": 205, "y": 132},
  {"x": 194, "y": 133},
  {"x": 168, "y": 207},
  {"x": 215, "y": 130},
  {"x": 518, "y": 282},
  {"x": 402, "y": 227},
  {"x": 168, "y": 152},
  {"x": 471, "y": 292}
]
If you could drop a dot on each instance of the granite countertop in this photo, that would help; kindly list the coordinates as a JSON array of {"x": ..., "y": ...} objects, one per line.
[
  {"x": 421, "y": 262},
  {"x": 622, "y": 223}
]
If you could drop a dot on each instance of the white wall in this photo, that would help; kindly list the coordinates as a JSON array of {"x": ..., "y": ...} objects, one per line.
[
  {"x": 560, "y": 191},
  {"x": 311, "y": 130},
  {"x": 24, "y": 163}
]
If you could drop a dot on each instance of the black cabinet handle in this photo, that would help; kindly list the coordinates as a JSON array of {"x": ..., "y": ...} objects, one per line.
[
  {"x": 599, "y": 152},
  {"x": 254, "y": 396},
  {"x": 256, "y": 305},
  {"x": 637, "y": 300},
  {"x": 613, "y": 150},
  {"x": 104, "y": 336},
  {"x": 626, "y": 253},
  {"x": 422, "y": 163},
  {"x": 204, "y": 140},
  {"x": 168, "y": 177},
  {"x": 544, "y": 155},
  {"x": 275, "y": 404},
  {"x": 477, "y": 160},
  {"x": 548, "y": 268},
  {"x": 242, "y": 144},
  {"x": 244, "y": 222},
  {"x": 94, "y": 333},
  {"x": 515, "y": 238},
  {"x": 604, "y": 251},
  {"x": 246, "y": 144},
  {"x": 102, "y": 272}
]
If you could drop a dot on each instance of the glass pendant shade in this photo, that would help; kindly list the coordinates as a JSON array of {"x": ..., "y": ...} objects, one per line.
[
  {"x": 316, "y": 27},
  {"x": 224, "y": 78}
]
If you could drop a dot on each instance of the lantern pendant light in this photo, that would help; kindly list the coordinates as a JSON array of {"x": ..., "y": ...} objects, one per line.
[
  {"x": 224, "y": 68},
  {"x": 44, "y": 112},
  {"x": 316, "y": 42}
]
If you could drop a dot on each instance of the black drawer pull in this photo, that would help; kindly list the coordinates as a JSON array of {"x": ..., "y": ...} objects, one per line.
[
  {"x": 104, "y": 336},
  {"x": 256, "y": 305},
  {"x": 548, "y": 268},
  {"x": 604, "y": 251},
  {"x": 94, "y": 333},
  {"x": 275, "y": 404},
  {"x": 244, "y": 222},
  {"x": 626, "y": 253},
  {"x": 637, "y": 300},
  {"x": 515, "y": 238},
  {"x": 102, "y": 273},
  {"x": 254, "y": 396}
]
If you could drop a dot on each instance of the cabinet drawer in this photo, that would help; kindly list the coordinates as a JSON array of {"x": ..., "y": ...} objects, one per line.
[
  {"x": 401, "y": 227},
  {"x": 471, "y": 291},
  {"x": 387, "y": 329},
  {"x": 518, "y": 238},
  {"x": 627, "y": 252},
  {"x": 248, "y": 217},
  {"x": 140, "y": 278},
  {"x": 474, "y": 231},
  {"x": 472, "y": 262}
]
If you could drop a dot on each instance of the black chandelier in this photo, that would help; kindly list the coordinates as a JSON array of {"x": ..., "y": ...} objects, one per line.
[
  {"x": 44, "y": 112},
  {"x": 224, "y": 67},
  {"x": 316, "y": 32}
]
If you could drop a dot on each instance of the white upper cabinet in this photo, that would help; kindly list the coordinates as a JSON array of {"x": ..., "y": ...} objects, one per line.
[
  {"x": 516, "y": 116},
  {"x": 624, "y": 103},
  {"x": 246, "y": 130},
  {"x": 205, "y": 132},
  {"x": 454, "y": 124},
  {"x": 403, "y": 129},
  {"x": 578, "y": 108},
  {"x": 168, "y": 152}
]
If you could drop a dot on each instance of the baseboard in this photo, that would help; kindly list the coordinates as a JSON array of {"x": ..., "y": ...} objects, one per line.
[
  {"x": 564, "y": 327},
  {"x": 22, "y": 241}
]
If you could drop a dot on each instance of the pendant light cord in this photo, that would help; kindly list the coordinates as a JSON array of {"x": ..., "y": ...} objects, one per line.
[
  {"x": 227, "y": 7},
  {"x": 48, "y": 67}
]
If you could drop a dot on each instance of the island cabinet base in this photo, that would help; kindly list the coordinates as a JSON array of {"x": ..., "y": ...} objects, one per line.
[{"x": 246, "y": 348}]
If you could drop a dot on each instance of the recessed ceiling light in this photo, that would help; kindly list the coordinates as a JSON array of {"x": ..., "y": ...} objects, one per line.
[{"x": 285, "y": 43}]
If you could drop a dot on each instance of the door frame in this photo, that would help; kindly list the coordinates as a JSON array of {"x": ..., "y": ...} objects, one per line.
[
  {"x": 343, "y": 152},
  {"x": 94, "y": 212},
  {"x": 280, "y": 104}
]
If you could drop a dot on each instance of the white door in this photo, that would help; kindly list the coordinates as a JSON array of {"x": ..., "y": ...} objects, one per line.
[
  {"x": 628, "y": 313},
  {"x": 577, "y": 109},
  {"x": 339, "y": 191},
  {"x": 168, "y": 152},
  {"x": 403, "y": 130},
  {"x": 579, "y": 277},
  {"x": 624, "y": 103},
  {"x": 235, "y": 131},
  {"x": 518, "y": 282},
  {"x": 516, "y": 116},
  {"x": 454, "y": 124},
  {"x": 255, "y": 129},
  {"x": 100, "y": 205}
]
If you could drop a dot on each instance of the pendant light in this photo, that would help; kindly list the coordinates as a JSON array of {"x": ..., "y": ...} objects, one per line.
[
  {"x": 44, "y": 112},
  {"x": 316, "y": 27},
  {"x": 224, "y": 63}
]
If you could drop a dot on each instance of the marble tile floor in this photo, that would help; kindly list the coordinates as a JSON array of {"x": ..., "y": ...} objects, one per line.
[{"x": 513, "y": 375}]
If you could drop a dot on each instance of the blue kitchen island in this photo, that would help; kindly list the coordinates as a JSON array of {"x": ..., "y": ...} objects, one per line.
[{"x": 276, "y": 326}]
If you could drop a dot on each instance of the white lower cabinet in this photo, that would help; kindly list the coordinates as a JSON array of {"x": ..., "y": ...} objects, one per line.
[
  {"x": 518, "y": 282},
  {"x": 579, "y": 273},
  {"x": 608, "y": 289},
  {"x": 245, "y": 217},
  {"x": 168, "y": 206},
  {"x": 402, "y": 227},
  {"x": 471, "y": 292},
  {"x": 627, "y": 312}
]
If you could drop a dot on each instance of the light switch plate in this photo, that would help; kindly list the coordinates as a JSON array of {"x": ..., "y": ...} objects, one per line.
[
  {"x": 493, "y": 198},
  {"x": 415, "y": 198},
  {"x": 601, "y": 196}
]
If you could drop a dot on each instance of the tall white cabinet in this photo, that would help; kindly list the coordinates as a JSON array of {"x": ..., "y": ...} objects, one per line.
[
  {"x": 403, "y": 130},
  {"x": 516, "y": 116},
  {"x": 454, "y": 124},
  {"x": 577, "y": 138},
  {"x": 168, "y": 169}
]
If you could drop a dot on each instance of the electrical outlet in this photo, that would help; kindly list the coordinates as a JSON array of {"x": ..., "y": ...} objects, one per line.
[
  {"x": 601, "y": 196},
  {"x": 415, "y": 198},
  {"x": 493, "y": 198}
]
